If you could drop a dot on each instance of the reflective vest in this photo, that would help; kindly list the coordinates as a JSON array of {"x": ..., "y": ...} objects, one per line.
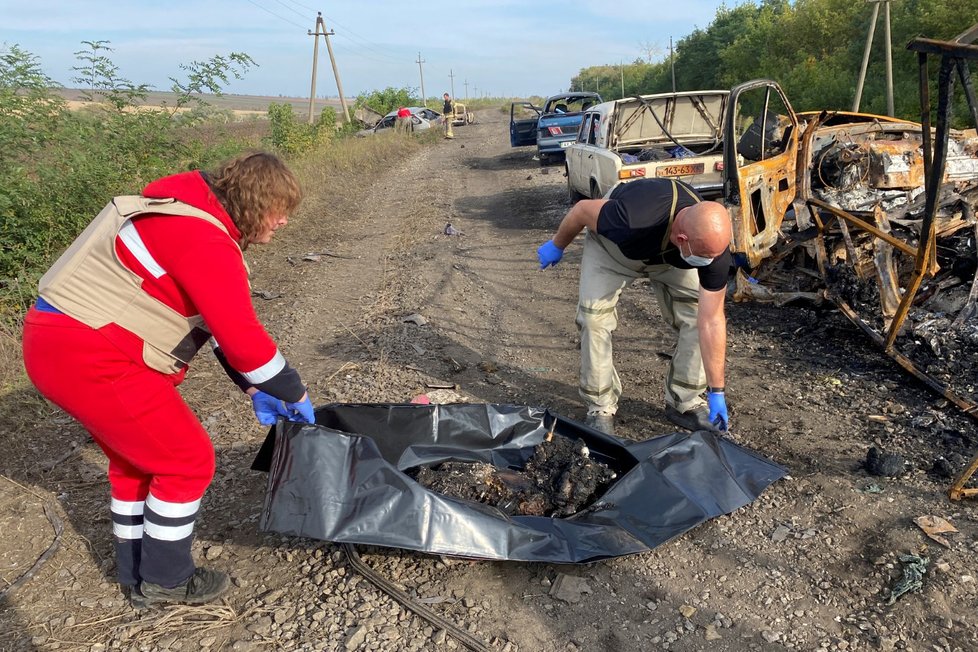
[{"x": 89, "y": 283}]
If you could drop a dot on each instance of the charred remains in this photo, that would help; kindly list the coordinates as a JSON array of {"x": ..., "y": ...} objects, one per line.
[{"x": 560, "y": 479}]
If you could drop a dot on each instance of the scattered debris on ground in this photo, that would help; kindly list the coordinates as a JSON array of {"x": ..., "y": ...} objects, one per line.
[{"x": 912, "y": 579}]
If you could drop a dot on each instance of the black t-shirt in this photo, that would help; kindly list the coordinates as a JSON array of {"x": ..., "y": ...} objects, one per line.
[
  {"x": 447, "y": 108},
  {"x": 638, "y": 218}
]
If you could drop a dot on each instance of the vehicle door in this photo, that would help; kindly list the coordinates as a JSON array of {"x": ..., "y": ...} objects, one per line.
[
  {"x": 760, "y": 154},
  {"x": 576, "y": 154},
  {"x": 386, "y": 123},
  {"x": 523, "y": 124}
]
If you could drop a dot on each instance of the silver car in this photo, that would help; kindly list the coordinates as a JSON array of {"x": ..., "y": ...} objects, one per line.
[{"x": 421, "y": 118}]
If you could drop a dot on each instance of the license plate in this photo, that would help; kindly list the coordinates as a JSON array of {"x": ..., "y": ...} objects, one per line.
[
  {"x": 568, "y": 143},
  {"x": 679, "y": 170}
]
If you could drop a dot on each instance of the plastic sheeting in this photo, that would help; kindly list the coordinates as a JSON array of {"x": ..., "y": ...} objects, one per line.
[{"x": 344, "y": 480}]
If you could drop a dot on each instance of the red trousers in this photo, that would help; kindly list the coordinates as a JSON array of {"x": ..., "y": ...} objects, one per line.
[
  {"x": 161, "y": 459},
  {"x": 152, "y": 439}
]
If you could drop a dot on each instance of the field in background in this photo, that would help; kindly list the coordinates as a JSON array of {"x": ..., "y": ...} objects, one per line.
[{"x": 242, "y": 105}]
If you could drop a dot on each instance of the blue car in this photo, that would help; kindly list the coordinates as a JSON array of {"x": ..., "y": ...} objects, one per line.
[{"x": 552, "y": 128}]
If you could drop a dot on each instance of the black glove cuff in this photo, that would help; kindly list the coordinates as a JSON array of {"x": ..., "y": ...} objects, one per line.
[{"x": 714, "y": 390}]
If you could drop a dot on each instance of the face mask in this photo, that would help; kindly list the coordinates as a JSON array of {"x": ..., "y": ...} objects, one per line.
[{"x": 694, "y": 261}]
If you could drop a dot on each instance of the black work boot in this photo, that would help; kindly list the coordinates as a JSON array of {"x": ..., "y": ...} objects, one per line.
[
  {"x": 696, "y": 419},
  {"x": 132, "y": 595},
  {"x": 203, "y": 586}
]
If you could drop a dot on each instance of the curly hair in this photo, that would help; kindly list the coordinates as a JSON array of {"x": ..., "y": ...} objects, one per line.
[{"x": 251, "y": 187}]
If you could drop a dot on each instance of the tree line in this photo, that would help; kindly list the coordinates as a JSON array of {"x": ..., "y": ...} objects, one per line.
[{"x": 812, "y": 48}]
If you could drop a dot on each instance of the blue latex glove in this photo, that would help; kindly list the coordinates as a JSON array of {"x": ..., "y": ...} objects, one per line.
[
  {"x": 267, "y": 408},
  {"x": 301, "y": 411},
  {"x": 549, "y": 254},
  {"x": 718, "y": 410}
]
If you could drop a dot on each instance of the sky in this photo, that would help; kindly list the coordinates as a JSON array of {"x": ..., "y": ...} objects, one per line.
[{"x": 470, "y": 48}]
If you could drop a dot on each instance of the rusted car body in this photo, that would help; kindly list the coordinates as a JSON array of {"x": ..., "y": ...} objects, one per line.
[{"x": 873, "y": 213}]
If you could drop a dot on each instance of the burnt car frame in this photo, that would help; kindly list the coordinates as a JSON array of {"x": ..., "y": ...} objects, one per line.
[{"x": 879, "y": 213}]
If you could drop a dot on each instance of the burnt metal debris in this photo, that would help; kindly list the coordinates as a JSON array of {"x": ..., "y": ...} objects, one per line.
[{"x": 884, "y": 210}]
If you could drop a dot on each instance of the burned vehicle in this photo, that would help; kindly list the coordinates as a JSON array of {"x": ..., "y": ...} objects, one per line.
[
  {"x": 875, "y": 214},
  {"x": 422, "y": 118}
]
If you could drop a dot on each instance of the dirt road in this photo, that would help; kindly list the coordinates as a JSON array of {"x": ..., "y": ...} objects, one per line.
[{"x": 808, "y": 566}]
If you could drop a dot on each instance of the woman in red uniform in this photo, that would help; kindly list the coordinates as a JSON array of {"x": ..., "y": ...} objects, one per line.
[{"x": 118, "y": 318}]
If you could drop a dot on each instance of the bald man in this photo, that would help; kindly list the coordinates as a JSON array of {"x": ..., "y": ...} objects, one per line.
[{"x": 663, "y": 230}]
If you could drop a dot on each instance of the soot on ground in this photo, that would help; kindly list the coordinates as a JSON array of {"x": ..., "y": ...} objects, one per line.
[{"x": 560, "y": 479}]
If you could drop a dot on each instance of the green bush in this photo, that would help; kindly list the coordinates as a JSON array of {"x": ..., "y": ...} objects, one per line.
[
  {"x": 387, "y": 100},
  {"x": 293, "y": 137},
  {"x": 60, "y": 167}
]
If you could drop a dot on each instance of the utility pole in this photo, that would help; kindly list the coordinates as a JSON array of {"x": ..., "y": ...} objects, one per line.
[
  {"x": 888, "y": 54},
  {"x": 621, "y": 66},
  {"x": 424, "y": 98},
  {"x": 466, "y": 84},
  {"x": 336, "y": 73},
  {"x": 451, "y": 75},
  {"x": 315, "y": 60},
  {"x": 332, "y": 60},
  {"x": 672, "y": 65},
  {"x": 889, "y": 59}
]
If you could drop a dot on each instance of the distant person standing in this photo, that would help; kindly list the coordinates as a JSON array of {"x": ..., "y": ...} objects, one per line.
[
  {"x": 404, "y": 122},
  {"x": 448, "y": 114}
]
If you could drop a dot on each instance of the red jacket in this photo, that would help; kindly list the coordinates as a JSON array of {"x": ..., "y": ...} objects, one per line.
[{"x": 195, "y": 268}]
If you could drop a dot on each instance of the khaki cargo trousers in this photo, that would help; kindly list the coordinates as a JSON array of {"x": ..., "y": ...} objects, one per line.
[{"x": 605, "y": 272}]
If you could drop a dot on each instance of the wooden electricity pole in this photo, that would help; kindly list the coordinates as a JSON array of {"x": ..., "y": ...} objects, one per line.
[
  {"x": 888, "y": 54},
  {"x": 315, "y": 61},
  {"x": 424, "y": 98},
  {"x": 336, "y": 73},
  {"x": 466, "y": 84},
  {"x": 451, "y": 75}
]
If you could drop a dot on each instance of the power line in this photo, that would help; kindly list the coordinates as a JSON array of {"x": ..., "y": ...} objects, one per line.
[
  {"x": 352, "y": 34},
  {"x": 303, "y": 6},
  {"x": 367, "y": 52},
  {"x": 276, "y": 15},
  {"x": 292, "y": 9},
  {"x": 355, "y": 39}
]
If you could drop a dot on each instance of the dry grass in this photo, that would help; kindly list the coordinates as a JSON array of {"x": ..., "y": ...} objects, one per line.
[{"x": 324, "y": 174}]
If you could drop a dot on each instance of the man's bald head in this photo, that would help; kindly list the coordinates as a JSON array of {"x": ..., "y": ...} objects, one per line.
[{"x": 705, "y": 226}]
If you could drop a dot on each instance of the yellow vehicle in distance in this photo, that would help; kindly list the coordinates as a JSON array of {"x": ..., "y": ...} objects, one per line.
[{"x": 460, "y": 116}]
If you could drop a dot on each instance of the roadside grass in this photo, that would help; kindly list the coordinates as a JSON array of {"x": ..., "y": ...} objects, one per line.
[{"x": 335, "y": 165}]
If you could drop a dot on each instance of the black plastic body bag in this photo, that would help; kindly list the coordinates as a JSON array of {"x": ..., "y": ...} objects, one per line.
[{"x": 344, "y": 480}]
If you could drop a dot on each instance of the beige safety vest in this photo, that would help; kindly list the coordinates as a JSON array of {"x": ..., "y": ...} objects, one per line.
[{"x": 89, "y": 282}]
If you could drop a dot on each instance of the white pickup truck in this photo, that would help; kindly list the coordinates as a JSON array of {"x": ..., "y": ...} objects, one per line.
[{"x": 664, "y": 135}]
